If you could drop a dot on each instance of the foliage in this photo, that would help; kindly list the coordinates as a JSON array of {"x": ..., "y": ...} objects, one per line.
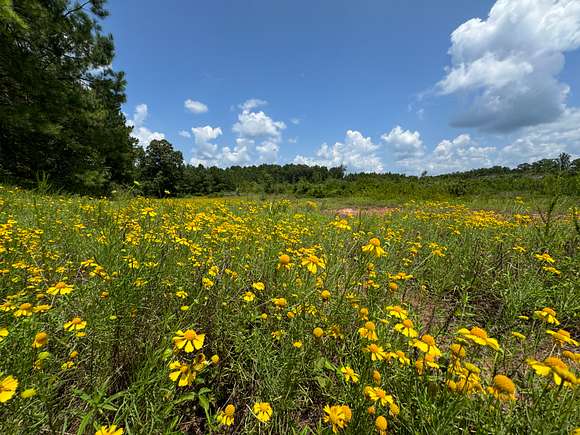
[{"x": 60, "y": 99}]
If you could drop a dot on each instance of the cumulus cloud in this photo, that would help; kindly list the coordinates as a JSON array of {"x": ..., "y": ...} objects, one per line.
[
  {"x": 545, "y": 141},
  {"x": 528, "y": 145},
  {"x": 458, "y": 154},
  {"x": 205, "y": 134},
  {"x": 254, "y": 124},
  {"x": 258, "y": 139},
  {"x": 507, "y": 65},
  {"x": 184, "y": 133},
  {"x": 256, "y": 129},
  {"x": 252, "y": 104},
  {"x": 143, "y": 134},
  {"x": 195, "y": 107},
  {"x": 357, "y": 153},
  {"x": 404, "y": 143}
]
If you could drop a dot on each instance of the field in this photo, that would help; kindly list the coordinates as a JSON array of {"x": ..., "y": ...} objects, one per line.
[{"x": 279, "y": 316}]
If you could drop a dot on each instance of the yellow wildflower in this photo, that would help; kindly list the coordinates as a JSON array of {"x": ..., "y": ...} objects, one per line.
[
  {"x": 263, "y": 411},
  {"x": 189, "y": 340}
]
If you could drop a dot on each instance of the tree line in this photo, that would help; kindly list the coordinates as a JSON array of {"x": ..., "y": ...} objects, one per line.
[{"x": 61, "y": 125}]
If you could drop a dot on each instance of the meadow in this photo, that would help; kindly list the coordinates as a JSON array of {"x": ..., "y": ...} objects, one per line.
[{"x": 249, "y": 315}]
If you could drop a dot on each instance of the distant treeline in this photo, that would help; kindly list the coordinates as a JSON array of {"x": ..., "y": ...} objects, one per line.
[{"x": 161, "y": 171}]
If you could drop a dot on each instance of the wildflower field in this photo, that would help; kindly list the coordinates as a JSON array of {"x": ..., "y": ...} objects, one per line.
[{"x": 171, "y": 316}]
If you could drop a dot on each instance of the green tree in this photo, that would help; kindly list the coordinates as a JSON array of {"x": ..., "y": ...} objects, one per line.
[
  {"x": 161, "y": 169},
  {"x": 60, "y": 100}
]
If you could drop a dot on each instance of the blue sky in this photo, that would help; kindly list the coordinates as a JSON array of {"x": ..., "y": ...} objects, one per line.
[{"x": 374, "y": 85}]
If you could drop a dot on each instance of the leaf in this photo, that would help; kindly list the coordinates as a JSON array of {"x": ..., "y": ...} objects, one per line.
[
  {"x": 204, "y": 402},
  {"x": 186, "y": 398}
]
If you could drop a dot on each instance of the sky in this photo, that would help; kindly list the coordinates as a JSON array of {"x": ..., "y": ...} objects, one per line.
[{"x": 375, "y": 85}]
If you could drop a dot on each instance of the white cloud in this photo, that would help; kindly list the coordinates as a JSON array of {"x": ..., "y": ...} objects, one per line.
[
  {"x": 195, "y": 107},
  {"x": 252, "y": 104},
  {"x": 404, "y": 143},
  {"x": 530, "y": 144},
  {"x": 357, "y": 153},
  {"x": 258, "y": 140},
  {"x": 140, "y": 132},
  {"x": 256, "y": 129},
  {"x": 508, "y": 64},
  {"x": 295, "y": 121},
  {"x": 254, "y": 124},
  {"x": 459, "y": 154},
  {"x": 184, "y": 133},
  {"x": 545, "y": 141},
  {"x": 205, "y": 134}
]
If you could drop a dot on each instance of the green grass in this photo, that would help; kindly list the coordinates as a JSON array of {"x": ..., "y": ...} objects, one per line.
[{"x": 147, "y": 252}]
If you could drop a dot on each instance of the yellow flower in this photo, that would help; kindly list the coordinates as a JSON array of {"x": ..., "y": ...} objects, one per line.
[
  {"x": 552, "y": 269},
  {"x": 24, "y": 310},
  {"x": 75, "y": 324},
  {"x": 368, "y": 331},
  {"x": 548, "y": 315},
  {"x": 148, "y": 211},
  {"x": 215, "y": 359},
  {"x": 400, "y": 356},
  {"x": 381, "y": 425},
  {"x": 406, "y": 328},
  {"x": 318, "y": 332},
  {"x": 545, "y": 257},
  {"x": 377, "y": 352},
  {"x": 377, "y": 376},
  {"x": 226, "y": 417},
  {"x": 60, "y": 288},
  {"x": 312, "y": 263},
  {"x": 518, "y": 335},
  {"x": 189, "y": 340},
  {"x": 259, "y": 286},
  {"x": 479, "y": 336},
  {"x": 248, "y": 296},
  {"x": 338, "y": 416},
  {"x": 349, "y": 374},
  {"x": 280, "y": 302},
  {"x": 325, "y": 295},
  {"x": 457, "y": 350},
  {"x": 3, "y": 333},
  {"x": 427, "y": 345},
  {"x": 571, "y": 355},
  {"x": 502, "y": 388},
  {"x": 427, "y": 360},
  {"x": 40, "y": 339},
  {"x": 263, "y": 411},
  {"x": 562, "y": 336},
  {"x": 555, "y": 366},
  {"x": 109, "y": 430},
  {"x": 297, "y": 344},
  {"x": 397, "y": 311},
  {"x": 284, "y": 261},
  {"x": 377, "y": 394},
  {"x": 374, "y": 247},
  {"x": 182, "y": 373},
  {"x": 43, "y": 308},
  {"x": 8, "y": 387}
]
